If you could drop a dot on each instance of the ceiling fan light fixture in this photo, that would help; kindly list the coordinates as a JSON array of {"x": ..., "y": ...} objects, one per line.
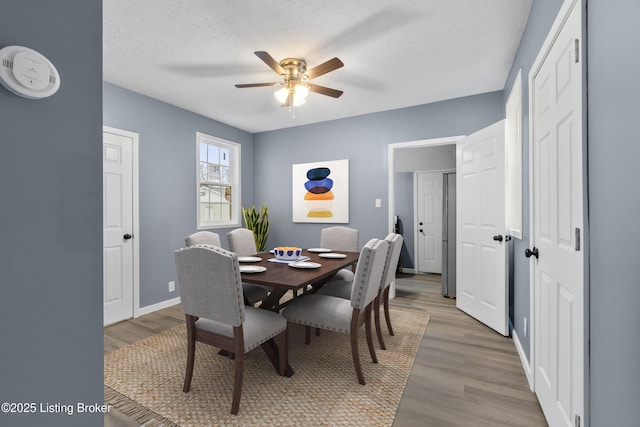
[
  {"x": 298, "y": 101},
  {"x": 301, "y": 91},
  {"x": 293, "y": 89},
  {"x": 282, "y": 94}
]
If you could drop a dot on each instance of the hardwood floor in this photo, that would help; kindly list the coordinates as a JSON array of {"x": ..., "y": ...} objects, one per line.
[{"x": 465, "y": 374}]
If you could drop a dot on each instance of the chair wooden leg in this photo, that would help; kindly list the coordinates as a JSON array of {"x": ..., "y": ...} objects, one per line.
[
  {"x": 386, "y": 311},
  {"x": 237, "y": 383},
  {"x": 191, "y": 352},
  {"x": 354, "y": 345},
  {"x": 376, "y": 317},
  {"x": 238, "y": 344},
  {"x": 367, "y": 328}
]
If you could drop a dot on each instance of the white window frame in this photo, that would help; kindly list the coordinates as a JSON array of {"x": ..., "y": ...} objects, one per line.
[{"x": 236, "y": 185}]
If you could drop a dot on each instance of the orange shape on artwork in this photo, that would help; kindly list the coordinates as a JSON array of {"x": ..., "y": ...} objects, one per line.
[{"x": 319, "y": 196}]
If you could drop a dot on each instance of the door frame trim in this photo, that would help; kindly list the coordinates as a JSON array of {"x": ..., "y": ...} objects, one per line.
[
  {"x": 558, "y": 24},
  {"x": 391, "y": 175},
  {"x": 135, "y": 212}
]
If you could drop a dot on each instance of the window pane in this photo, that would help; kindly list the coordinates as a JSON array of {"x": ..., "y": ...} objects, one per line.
[
  {"x": 218, "y": 195},
  {"x": 225, "y": 175},
  {"x": 215, "y": 212},
  {"x": 213, "y": 173},
  {"x": 225, "y": 212},
  {"x": 204, "y": 212},
  {"x": 204, "y": 194},
  {"x": 203, "y": 171},
  {"x": 203, "y": 151},
  {"x": 224, "y": 156},
  {"x": 214, "y": 156}
]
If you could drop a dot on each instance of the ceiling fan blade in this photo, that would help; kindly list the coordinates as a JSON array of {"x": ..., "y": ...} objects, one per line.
[
  {"x": 324, "y": 90},
  {"x": 257, "y": 84},
  {"x": 268, "y": 59},
  {"x": 324, "y": 68}
]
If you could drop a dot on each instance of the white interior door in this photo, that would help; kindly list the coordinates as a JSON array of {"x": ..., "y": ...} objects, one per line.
[
  {"x": 557, "y": 222},
  {"x": 118, "y": 251},
  {"x": 481, "y": 246},
  {"x": 429, "y": 221}
]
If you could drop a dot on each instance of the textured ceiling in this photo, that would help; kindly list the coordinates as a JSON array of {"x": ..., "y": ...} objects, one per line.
[{"x": 190, "y": 53}]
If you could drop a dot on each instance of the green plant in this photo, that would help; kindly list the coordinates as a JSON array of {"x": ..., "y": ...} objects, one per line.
[{"x": 258, "y": 222}]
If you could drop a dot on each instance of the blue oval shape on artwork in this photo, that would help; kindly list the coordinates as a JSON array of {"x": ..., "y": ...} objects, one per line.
[
  {"x": 317, "y": 174},
  {"x": 321, "y": 186}
]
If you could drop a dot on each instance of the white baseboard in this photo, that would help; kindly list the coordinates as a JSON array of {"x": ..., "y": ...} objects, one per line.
[
  {"x": 523, "y": 359},
  {"x": 155, "y": 307},
  {"x": 408, "y": 270}
]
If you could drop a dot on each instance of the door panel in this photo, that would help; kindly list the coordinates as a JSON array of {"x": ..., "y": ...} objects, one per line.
[
  {"x": 481, "y": 265},
  {"x": 429, "y": 215},
  {"x": 557, "y": 217},
  {"x": 118, "y": 263}
]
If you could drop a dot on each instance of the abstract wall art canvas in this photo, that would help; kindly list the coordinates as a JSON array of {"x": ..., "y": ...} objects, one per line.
[{"x": 321, "y": 192}]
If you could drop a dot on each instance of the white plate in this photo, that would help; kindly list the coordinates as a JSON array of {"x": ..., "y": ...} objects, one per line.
[
  {"x": 332, "y": 255},
  {"x": 319, "y": 250},
  {"x": 249, "y": 259},
  {"x": 305, "y": 264},
  {"x": 252, "y": 269}
]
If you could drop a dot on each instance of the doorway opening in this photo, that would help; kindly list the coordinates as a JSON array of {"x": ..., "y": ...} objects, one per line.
[{"x": 405, "y": 159}]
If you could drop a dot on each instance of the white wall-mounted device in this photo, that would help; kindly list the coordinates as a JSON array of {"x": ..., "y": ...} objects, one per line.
[{"x": 27, "y": 73}]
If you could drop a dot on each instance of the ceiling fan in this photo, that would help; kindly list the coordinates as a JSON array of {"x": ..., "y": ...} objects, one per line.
[{"x": 295, "y": 85}]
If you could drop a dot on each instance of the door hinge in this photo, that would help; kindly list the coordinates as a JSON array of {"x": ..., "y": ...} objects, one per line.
[
  {"x": 577, "y": 421},
  {"x": 577, "y": 239},
  {"x": 577, "y": 47}
]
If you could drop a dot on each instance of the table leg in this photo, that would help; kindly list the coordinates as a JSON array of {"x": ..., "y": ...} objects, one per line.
[
  {"x": 271, "y": 350},
  {"x": 272, "y": 301}
]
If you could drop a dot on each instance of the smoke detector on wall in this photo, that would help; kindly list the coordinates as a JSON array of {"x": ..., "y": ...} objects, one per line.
[{"x": 27, "y": 73}]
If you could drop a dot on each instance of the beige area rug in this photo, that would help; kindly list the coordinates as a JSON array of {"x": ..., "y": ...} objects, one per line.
[{"x": 144, "y": 380}]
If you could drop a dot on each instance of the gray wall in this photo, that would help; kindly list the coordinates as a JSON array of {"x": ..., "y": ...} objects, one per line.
[
  {"x": 541, "y": 18},
  {"x": 51, "y": 217},
  {"x": 614, "y": 208},
  {"x": 51, "y": 265},
  {"x": 364, "y": 141},
  {"x": 167, "y": 177},
  {"x": 404, "y": 210}
]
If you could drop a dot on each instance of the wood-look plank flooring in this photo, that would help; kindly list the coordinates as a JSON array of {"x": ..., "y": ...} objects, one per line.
[{"x": 465, "y": 374}]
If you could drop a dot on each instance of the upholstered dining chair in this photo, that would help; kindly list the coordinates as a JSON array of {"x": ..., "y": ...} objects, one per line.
[
  {"x": 388, "y": 275},
  {"x": 211, "y": 296},
  {"x": 203, "y": 238},
  {"x": 252, "y": 293},
  {"x": 340, "y": 238},
  {"x": 242, "y": 242},
  {"x": 342, "y": 288},
  {"x": 341, "y": 315}
]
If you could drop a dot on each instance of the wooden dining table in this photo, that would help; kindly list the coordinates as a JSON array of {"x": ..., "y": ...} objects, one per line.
[{"x": 281, "y": 277}]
